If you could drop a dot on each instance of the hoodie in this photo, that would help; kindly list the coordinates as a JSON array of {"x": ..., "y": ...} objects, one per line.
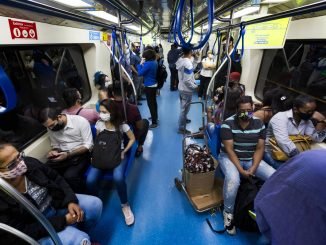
[{"x": 185, "y": 67}]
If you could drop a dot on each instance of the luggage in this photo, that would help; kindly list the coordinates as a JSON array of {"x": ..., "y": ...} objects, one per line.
[{"x": 161, "y": 75}]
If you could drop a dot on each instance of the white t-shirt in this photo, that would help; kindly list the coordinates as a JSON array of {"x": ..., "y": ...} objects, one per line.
[
  {"x": 207, "y": 72},
  {"x": 100, "y": 126}
]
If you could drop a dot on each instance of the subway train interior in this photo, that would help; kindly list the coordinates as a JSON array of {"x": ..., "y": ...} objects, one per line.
[{"x": 173, "y": 67}]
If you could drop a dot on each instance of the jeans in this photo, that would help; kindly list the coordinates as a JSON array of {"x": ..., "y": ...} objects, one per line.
[
  {"x": 141, "y": 131},
  {"x": 174, "y": 78},
  {"x": 271, "y": 161},
  {"x": 95, "y": 175},
  {"x": 185, "y": 100},
  {"x": 92, "y": 207},
  {"x": 137, "y": 82},
  {"x": 202, "y": 90},
  {"x": 151, "y": 102},
  {"x": 232, "y": 178}
]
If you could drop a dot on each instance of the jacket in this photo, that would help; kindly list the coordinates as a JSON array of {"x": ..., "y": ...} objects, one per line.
[
  {"x": 148, "y": 70},
  {"x": 185, "y": 67},
  {"x": 14, "y": 215}
]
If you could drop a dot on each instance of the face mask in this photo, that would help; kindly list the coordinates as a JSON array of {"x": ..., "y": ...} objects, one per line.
[
  {"x": 137, "y": 50},
  {"x": 58, "y": 126},
  {"x": 305, "y": 116},
  {"x": 18, "y": 170},
  {"x": 245, "y": 116},
  {"x": 210, "y": 56},
  {"x": 105, "y": 116}
]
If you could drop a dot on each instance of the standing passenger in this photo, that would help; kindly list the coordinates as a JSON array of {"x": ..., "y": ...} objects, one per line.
[
  {"x": 148, "y": 69},
  {"x": 206, "y": 74},
  {"x": 134, "y": 62},
  {"x": 173, "y": 56},
  {"x": 243, "y": 139},
  {"x": 185, "y": 66},
  {"x": 112, "y": 120}
]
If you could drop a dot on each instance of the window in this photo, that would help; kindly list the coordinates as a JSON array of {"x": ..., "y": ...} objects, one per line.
[
  {"x": 299, "y": 68},
  {"x": 39, "y": 76}
]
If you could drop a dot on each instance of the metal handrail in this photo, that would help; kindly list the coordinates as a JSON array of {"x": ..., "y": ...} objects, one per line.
[
  {"x": 13, "y": 193},
  {"x": 18, "y": 233}
]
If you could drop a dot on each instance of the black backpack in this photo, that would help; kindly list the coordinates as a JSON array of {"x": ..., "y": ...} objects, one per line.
[
  {"x": 244, "y": 202},
  {"x": 161, "y": 75},
  {"x": 107, "y": 150}
]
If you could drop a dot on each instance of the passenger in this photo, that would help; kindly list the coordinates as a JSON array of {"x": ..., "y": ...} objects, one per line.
[
  {"x": 148, "y": 69},
  {"x": 50, "y": 194},
  {"x": 295, "y": 121},
  {"x": 73, "y": 100},
  {"x": 275, "y": 100},
  {"x": 243, "y": 138},
  {"x": 291, "y": 205},
  {"x": 161, "y": 52},
  {"x": 134, "y": 61},
  {"x": 173, "y": 56},
  {"x": 104, "y": 86},
  {"x": 112, "y": 120},
  {"x": 185, "y": 66},
  {"x": 133, "y": 118},
  {"x": 71, "y": 141},
  {"x": 206, "y": 73}
]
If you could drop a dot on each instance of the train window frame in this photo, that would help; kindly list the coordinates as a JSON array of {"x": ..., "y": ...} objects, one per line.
[
  {"x": 85, "y": 82},
  {"x": 259, "y": 87}
]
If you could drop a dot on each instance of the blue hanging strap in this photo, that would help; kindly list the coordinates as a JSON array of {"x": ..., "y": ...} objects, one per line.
[
  {"x": 218, "y": 40},
  {"x": 125, "y": 38},
  {"x": 178, "y": 26},
  {"x": 114, "y": 37},
  {"x": 192, "y": 21},
  {"x": 241, "y": 36},
  {"x": 8, "y": 90},
  {"x": 116, "y": 41}
]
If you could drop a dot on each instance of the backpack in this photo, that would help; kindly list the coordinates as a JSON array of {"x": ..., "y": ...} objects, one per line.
[
  {"x": 161, "y": 75},
  {"x": 244, "y": 202},
  {"x": 107, "y": 150}
]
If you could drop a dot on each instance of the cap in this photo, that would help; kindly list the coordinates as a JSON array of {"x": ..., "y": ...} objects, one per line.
[{"x": 235, "y": 76}]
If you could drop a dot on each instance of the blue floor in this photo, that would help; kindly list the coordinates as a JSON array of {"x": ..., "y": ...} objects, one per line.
[{"x": 163, "y": 215}]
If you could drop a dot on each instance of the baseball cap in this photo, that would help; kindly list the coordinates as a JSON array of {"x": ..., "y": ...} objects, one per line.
[{"x": 234, "y": 76}]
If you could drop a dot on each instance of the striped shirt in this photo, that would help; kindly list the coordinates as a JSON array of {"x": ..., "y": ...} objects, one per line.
[{"x": 244, "y": 140}]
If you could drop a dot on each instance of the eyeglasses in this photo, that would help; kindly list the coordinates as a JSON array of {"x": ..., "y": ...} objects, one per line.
[{"x": 14, "y": 162}]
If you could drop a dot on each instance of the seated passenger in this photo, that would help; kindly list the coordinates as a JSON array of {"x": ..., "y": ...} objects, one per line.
[
  {"x": 50, "y": 193},
  {"x": 133, "y": 118},
  {"x": 112, "y": 120},
  {"x": 243, "y": 138},
  {"x": 291, "y": 205},
  {"x": 275, "y": 100},
  {"x": 71, "y": 140},
  {"x": 104, "y": 86},
  {"x": 73, "y": 100},
  {"x": 295, "y": 121}
]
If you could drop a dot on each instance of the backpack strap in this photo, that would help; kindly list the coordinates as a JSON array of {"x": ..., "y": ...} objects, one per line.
[
  {"x": 77, "y": 113},
  {"x": 216, "y": 231}
]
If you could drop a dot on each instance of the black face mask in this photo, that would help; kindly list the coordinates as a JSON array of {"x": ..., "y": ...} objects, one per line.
[
  {"x": 305, "y": 116},
  {"x": 58, "y": 126}
]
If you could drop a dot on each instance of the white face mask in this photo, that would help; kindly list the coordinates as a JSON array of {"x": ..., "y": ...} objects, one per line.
[{"x": 105, "y": 116}]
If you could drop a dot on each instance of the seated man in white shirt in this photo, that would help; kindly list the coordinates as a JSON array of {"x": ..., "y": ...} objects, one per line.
[{"x": 71, "y": 142}]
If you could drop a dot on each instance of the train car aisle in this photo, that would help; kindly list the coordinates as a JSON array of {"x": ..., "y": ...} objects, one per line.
[{"x": 163, "y": 215}]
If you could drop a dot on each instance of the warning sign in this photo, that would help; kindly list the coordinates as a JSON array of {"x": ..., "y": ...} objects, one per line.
[{"x": 21, "y": 29}]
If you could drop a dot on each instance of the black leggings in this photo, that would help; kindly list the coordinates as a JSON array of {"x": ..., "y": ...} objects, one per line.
[
  {"x": 202, "y": 90},
  {"x": 141, "y": 131},
  {"x": 151, "y": 102}
]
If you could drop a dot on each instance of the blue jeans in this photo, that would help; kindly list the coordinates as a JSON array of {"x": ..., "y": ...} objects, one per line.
[
  {"x": 232, "y": 178},
  {"x": 185, "y": 100},
  {"x": 95, "y": 175},
  {"x": 271, "y": 161},
  {"x": 92, "y": 207}
]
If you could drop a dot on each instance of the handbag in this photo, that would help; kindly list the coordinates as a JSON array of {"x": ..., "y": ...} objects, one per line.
[
  {"x": 197, "y": 75},
  {"x": 302, "y": 143}
]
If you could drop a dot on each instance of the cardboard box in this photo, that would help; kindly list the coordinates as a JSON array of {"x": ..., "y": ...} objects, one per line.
[{"x": 199, "y": 183}]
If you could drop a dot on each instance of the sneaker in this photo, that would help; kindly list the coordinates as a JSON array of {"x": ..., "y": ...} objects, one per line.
[
  {"x": 228, "y": 223},
  {"x": 129, "y": 216},
  {"x": 153, "y": 125},
  {"x": 188, "y": 121},
  {"x": 184, "y": 131}
]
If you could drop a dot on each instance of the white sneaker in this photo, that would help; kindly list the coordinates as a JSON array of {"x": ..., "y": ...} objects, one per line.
[
  {"x": 129, "y": 216},
  {"x": 228, "y": 223}
]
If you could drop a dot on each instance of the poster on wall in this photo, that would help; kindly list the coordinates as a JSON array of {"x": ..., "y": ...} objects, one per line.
[
  {"x": 22, "y": 29},
  {"x": 265, "y": 35}
]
